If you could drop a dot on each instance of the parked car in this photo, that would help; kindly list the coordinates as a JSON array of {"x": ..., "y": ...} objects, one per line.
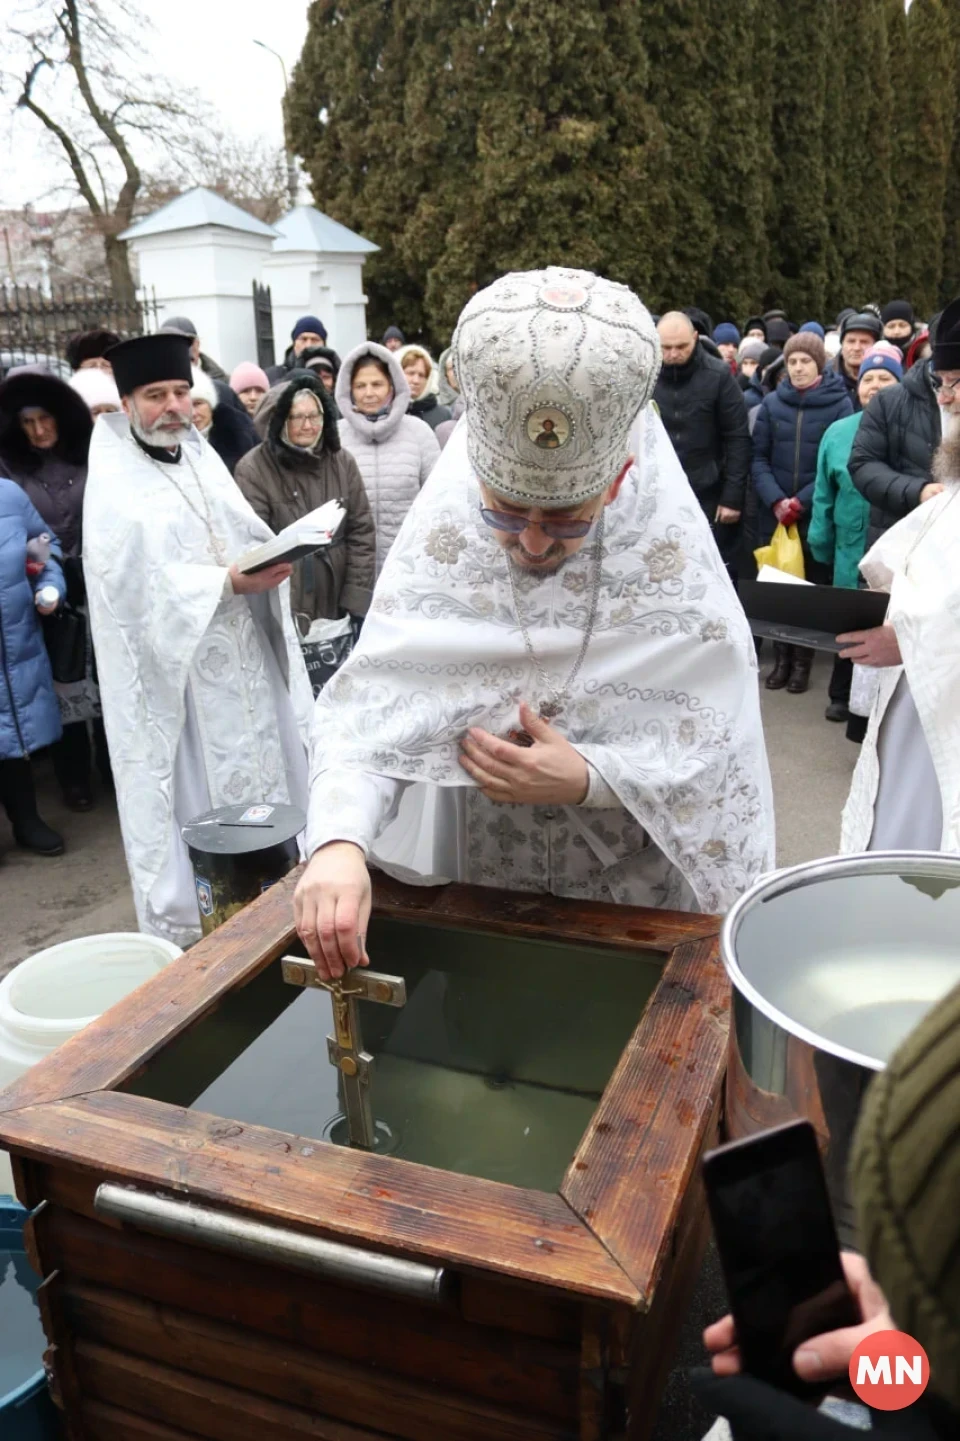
[{"x": 10, "y": 359}]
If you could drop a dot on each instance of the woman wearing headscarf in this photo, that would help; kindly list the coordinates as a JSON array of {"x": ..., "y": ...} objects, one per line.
[
  {"x": 423, "y": 378},
  {"x": 786, "y": 440},
  {"x": 299, "y": 466},
  {"x": 395, "y": 453},
  {"x": 45, "y": 430}
]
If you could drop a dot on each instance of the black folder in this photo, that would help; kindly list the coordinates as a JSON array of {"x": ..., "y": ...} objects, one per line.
[{"x": 810, "y": 615}]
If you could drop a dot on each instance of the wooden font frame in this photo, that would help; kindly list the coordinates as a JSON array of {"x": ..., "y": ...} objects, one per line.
[{"x": 604, "y": 1237}]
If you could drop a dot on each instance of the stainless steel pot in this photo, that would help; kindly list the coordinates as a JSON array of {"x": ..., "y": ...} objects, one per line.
[{"x": 832, "y": 964}]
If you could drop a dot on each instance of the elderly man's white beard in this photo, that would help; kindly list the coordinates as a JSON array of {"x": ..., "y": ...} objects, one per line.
[
  {"x": 950, "y": 424},
  {"x": 165, "y": 433}
]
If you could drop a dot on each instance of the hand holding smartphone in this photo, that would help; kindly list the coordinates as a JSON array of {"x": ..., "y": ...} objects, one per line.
[{"x": 778, "y": 1249}]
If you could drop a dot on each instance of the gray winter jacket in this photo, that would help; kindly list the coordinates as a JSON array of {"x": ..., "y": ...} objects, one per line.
[{"x": 395, "y": 453}]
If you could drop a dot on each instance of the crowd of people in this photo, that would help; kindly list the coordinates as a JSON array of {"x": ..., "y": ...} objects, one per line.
[
  {"x": 554, "y": 685},
  {"x": 832, "y": 430},
  {"x": 793, "y": 451}
]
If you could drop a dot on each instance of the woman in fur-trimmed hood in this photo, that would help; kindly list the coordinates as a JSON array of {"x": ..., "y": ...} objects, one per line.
[{"x": 299, "y": 465}]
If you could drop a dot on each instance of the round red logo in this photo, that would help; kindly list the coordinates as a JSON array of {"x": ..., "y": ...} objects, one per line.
[{"x": 889, "y": 1370}]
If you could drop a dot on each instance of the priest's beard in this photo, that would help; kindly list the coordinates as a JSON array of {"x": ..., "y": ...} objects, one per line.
[
  {"x": 946, "y": 466},
  {"x": 165, "y": 433},
  {"x": 551, "y": 559}
]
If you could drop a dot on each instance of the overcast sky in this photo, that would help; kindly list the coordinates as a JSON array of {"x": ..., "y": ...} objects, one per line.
[{"x": 203, "y": 45}]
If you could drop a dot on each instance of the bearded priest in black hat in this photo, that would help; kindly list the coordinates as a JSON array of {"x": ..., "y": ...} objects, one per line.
[{"x": 205, "y": 696}]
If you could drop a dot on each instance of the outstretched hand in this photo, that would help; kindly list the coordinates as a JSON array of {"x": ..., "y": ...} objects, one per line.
[
  {"x": 331, "y": 909},
  {"x": 550, "y": 772}
]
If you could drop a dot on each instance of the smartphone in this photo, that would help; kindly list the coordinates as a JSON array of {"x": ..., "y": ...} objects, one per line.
[{"x": 778, "y": 1249}]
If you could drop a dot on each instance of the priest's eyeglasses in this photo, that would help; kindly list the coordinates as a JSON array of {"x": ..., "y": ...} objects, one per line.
[
  {"x": 949, "y": 387},
  {"x": 556, "y": 529}
]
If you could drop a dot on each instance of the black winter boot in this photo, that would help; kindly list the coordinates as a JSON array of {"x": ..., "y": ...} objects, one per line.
[
  {"x": 800, "y": 670},
  {"x": 19, "y": 799},
  {"x": 783, "y": 660}
]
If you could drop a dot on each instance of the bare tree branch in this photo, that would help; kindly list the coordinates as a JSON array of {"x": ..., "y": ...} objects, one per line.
[{"x": 72, "y": 153}]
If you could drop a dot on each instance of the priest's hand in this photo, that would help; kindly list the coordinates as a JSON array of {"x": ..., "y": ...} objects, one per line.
[
  {"x": 877, "y": 647},
  {"x": 263, "y": 580},
  {"x": 331, "y": 909},
  {"x": 548, "y": 773}
]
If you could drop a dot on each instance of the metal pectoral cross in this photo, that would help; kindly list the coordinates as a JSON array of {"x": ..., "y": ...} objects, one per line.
[{"x": 345, "y": 1046}]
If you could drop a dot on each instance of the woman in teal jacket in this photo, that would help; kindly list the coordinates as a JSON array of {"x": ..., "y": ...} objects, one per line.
[{"x": 840, "y": 516}]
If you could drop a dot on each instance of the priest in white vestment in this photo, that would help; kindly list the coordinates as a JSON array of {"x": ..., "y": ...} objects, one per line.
[
  {"x": 906, "y": 788},
  {"x": 206, "y": 700},
  {"x": 556, "y": 686}
]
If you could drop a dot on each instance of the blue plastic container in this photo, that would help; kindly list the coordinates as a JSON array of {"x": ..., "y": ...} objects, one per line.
[{"x": 26, "y": 1412}]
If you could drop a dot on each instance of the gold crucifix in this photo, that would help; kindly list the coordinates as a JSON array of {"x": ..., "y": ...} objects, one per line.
[{"x": 345, "y": 1046}]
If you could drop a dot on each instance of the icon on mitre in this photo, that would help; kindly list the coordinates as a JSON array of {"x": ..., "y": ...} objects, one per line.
[{"x": 548, "y": 428}]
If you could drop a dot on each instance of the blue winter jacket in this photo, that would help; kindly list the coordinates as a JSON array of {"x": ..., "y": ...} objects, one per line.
[
  {"x": 29, "y": 711},
  {"x": 786, "y": 439}
]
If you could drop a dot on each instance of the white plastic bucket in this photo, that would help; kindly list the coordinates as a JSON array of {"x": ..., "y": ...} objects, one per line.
[{"x": 51, "y": 996}]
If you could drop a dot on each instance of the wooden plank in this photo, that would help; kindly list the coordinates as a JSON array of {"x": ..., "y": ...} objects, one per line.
[
  {"x": 210, "y": 1410},
  {"x": 319, "y": 1385},
  {"x": 657, "y": 1333},
  {"x": 375, "y": 1201},
  {"x": 411, "y": 1341},
  {"x": 490, "y": 1302},
  {"x": 108, "y": 1423},
  {"x": 227, "y": 1413},
  {"x": 593, "y": 1376},
  {"x": 522, "y": 913},
  {"x": 115, "y": 1046},
  {"x": 58, "y": 1356},
  {"x": 629, "y": 1175}
]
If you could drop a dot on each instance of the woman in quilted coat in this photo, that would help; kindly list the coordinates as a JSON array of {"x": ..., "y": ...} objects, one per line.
[
  {"x": 29, "y": 713},
  {"x": 395, "y": 452},
  {"x": 786, "y": 440}
]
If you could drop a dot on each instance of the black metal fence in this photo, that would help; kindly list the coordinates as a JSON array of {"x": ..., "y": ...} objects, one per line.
[
  {"x": 263, "y": 321},
  {"x": 35, "y": 325}
]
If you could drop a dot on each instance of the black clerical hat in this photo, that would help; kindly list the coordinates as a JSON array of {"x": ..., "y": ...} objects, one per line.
[
  {"x": 149, "y": 358},
  {"x": 946, "y": 339}
]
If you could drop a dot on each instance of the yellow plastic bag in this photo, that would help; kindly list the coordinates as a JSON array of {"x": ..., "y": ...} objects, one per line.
[{"x": 784, "y": 552}]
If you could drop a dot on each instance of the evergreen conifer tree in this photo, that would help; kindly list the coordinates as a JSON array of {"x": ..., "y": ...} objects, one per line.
[
  {"x": 950, "y": 277},
  {"x": 858, "y": 141},
  {"x": 677, "y": 41},
  {"x": 739, "y": 157},
  {"x": 570, "y": 166},
  {"x": 379, "y": 109},
  {"x": 799, "y": 220},
  {"x": 922, "y": 152}
]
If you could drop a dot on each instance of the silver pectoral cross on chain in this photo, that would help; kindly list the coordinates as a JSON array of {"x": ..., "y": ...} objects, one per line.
[{"x": 345, "y": 1046}]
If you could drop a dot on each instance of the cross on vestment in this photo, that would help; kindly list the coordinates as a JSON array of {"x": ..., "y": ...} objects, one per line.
[{"x": 345, "y": 1046}]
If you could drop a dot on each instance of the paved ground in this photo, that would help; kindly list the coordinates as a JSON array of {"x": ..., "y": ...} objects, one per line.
[{"x": 86, "y": 891}]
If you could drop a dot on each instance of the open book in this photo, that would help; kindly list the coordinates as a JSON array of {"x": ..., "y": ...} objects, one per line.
[{"x": 306, "y": 535}]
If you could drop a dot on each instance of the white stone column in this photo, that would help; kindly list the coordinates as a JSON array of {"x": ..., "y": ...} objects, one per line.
[
  {"x": 316, "y": 268},
  {"x": 200, "y": 256}
]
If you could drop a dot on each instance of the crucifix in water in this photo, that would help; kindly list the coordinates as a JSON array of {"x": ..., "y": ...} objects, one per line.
[{"x": 345, "y": 1046}]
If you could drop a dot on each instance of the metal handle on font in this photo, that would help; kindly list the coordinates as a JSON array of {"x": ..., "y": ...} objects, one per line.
[{"x": 222, "y": 1231}]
